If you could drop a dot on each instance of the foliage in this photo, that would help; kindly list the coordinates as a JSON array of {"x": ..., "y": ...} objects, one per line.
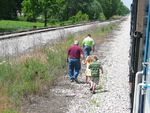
[
  {"x": 8, "y": 9},
  {"x": 94, "y": 10},
  {"x": 113, "y": 7},
  {"x": 31, "y": 9},
  {"x": 48, "y": 8},
  {"x": 79, "y": 17},
  {"x": 23, "y": 76},
  {"x": 102, "y": 17},
  {"x": 95, "y": 103},
  {"x": 90, "y": 7},
  {"x": 122, "y": 10},
  {"x": 9, "y": 111},
  {"x": 10, "y": 26},
  {"x": 61, "y": 11}
]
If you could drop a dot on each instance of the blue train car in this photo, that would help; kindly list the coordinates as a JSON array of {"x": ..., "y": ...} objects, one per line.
[{"x": 139, "y": 77}]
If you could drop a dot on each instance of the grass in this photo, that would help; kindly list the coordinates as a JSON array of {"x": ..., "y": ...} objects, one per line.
[
  {"x": 95, "y": 103},
  {"x": 10, "y": 26},
  {"x": 29, "y": 74},
  {"x": 32, "y": 73}
]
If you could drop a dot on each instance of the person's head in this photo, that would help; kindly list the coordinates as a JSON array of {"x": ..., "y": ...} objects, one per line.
[
  {"x": 95, "y": 58},
  {"x": 89, "y": 35},
  {"x": 76, "y": 42},
  {"x": 89, "y": 59}
]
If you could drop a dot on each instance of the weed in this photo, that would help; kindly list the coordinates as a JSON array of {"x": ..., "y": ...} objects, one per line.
[{"x": 95, "y": 103}]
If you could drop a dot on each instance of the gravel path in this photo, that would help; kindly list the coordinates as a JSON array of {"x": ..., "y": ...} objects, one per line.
[
  {"x": 66, "y": 97},
  {"x": 114, "y": 98}
]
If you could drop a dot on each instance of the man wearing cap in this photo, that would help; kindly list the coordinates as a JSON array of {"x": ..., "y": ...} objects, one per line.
[
  {"x": 73, "y": 58},
  {"x": 88, "y": 45}
]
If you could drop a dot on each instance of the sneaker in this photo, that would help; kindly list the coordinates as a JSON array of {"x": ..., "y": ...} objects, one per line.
[
  {"x": 76, "y": 80},
  {"x": 93, "y": 92},
  {"x": 90, "y": 89},
  {"x": 72, "y": 80}
]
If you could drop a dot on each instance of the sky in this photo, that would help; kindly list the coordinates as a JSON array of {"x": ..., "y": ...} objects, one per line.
[{"x": 127, "y": 3}]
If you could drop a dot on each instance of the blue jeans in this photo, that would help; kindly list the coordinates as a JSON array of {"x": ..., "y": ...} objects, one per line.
[
  {"x": 74, "y": 68},
  {"x": 87, "y": 50}
]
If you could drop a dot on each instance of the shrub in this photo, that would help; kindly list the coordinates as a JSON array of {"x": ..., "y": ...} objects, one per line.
[
  {"x": 102, "y": 17},
  {"x": 79, "y": 17}
]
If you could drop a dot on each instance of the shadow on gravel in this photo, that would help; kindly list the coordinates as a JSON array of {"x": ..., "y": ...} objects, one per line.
[{"x": 102, "y": 91}]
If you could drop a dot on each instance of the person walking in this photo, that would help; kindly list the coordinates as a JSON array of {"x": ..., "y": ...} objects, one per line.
[
  {"x": 88, "y": 45},
  {"x": 88, "y": 60},
  {"x": 95, "y": 68},
  {"x": 73, "y": 58}
]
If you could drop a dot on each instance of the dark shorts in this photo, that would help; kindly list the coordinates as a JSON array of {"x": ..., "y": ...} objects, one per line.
[{"x": 95, "y": 80}]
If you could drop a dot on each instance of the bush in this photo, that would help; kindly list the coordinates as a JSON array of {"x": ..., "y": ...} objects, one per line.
[
  {"x": 102, "y": 17},
  {"x": 79, "y": 17}
]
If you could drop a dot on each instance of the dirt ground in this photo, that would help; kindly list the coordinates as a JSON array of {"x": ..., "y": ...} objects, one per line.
[{"x": 67, "y": 97}]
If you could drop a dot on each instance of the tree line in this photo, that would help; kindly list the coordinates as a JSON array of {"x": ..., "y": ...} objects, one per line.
[{"x": 61, "y": 10}]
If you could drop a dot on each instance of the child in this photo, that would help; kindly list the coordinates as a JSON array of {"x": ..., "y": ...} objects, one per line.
[
  {"x": 95, "y": 68},
  {"x": 88, "y": 60}
]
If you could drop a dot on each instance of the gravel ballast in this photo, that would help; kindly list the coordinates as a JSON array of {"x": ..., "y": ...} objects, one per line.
[{"x": 67, "y": 97}]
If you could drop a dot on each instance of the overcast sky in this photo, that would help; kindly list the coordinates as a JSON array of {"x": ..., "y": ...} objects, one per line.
[{"x": 127, "y": 3}]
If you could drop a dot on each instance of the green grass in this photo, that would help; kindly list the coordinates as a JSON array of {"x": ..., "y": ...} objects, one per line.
[
  {"x": 12, "y": 26},
  {"x": 9, "y": 111},
  {"x": 95, "y": 103},
  {"x": 27, "y": 75},
  {"x": 9, "y": 26}
]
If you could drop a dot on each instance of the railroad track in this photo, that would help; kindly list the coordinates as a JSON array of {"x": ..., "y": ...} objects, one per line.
[{"x": 9, "y": 35}]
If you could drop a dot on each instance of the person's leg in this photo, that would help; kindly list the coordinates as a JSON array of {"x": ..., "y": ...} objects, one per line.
[
  {"x": 71, "y": 68},
  {"x": 95, "y": 81},
  {"x": 94, "y": 88},
  {"x": 89, "y": 78},
  {"x": 77, "y": 68},
  {"x": 89, "y": 50},
  {"x": 91, "y": 85},
  {"x": 86, "y": 51},
  {"x": 86, "y": 79}
]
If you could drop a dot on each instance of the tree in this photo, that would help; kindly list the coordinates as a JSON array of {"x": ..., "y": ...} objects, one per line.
[
  {"x": 18, "y": 5},
  {"x": 49, "y": 8},
  {"x": 122, "y": 10},
  {"x": 31, "y": 9},
  {"x": 112, "y": 7},
  {"x": 79, "y": 17},
  {"x": 94, "y": 10},
  {"x": 8, "y": 9},
  {"x": 90, "y": 7}
]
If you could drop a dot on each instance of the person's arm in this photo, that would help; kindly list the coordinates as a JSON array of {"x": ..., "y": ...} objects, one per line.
[
  {"x": 67, "y": 58},
  {"x": 102, "y": 70},
  {"x": 93, "y": 48},
  {"x": 83, "y": 43},
  {"x": 67, "y": 55},
  {"x": 82, "y": 56}
]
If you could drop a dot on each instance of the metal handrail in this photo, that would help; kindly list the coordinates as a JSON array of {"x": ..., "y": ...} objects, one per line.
[
  {"x": 138, "y": 78},
  {"x": 141, "y": 86}
]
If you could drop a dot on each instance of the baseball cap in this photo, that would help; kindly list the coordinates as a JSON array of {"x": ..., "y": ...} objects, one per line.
[{"x": 76, "y": 42}]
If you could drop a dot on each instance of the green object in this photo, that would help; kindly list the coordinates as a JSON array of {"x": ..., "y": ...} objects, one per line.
[
  {"x": 95, "y": 66},
  {"x": 88, "y": 42}
]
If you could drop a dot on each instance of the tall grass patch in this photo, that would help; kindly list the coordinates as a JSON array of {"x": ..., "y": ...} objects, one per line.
[{"x": 30, "y": 74}]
